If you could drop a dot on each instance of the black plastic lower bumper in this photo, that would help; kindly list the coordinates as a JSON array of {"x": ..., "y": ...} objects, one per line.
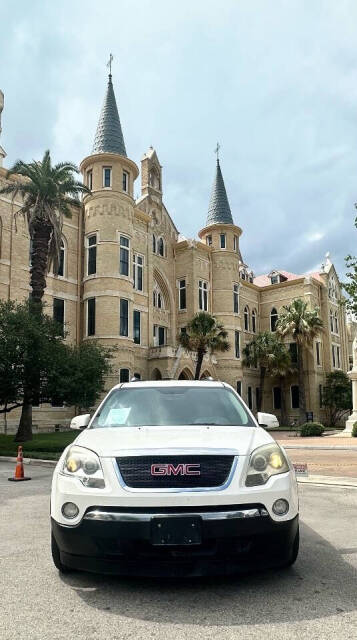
[{"x": 227, "y": 547}]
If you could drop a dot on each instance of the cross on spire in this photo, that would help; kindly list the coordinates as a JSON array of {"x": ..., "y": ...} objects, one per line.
[
  {"x": 217, "y": 151},
  {"x": 109, "y": 63}
]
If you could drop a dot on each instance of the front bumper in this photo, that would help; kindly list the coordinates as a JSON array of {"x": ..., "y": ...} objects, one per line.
[{"x": 117, "y": 541}]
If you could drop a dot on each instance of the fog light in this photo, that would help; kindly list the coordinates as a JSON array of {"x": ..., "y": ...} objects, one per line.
[
  {"x": 70, "y": 510},
  {"x": 280, "y": 507}
]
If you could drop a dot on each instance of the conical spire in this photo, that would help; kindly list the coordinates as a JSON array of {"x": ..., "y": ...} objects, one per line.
[
  {"x": 219, "y": 211},
  {"x": 109, "y": 136}
]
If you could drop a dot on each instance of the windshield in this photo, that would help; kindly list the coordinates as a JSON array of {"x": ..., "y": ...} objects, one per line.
[{"x": 172, "y": 406}]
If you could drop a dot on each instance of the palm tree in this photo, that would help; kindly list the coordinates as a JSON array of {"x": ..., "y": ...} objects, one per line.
[
  {"x": 203, "y": 333},
  {"x": 268, "y": 352},
  {"x": 303, "y": 325},
  {"x": 281, "y": 369},
  {"x": 47, "y": 194}
]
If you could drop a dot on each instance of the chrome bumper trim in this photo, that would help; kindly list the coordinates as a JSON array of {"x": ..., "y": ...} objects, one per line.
[{"x": 110, "y": 516}]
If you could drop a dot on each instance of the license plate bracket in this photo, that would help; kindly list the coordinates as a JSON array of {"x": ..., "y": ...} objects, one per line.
[{"x": 176, "y": 530}]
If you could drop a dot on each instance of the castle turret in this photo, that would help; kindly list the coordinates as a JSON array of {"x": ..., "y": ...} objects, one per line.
[
  {"x": 222, "y": 236},
  {"x": 108, "y": 276}
]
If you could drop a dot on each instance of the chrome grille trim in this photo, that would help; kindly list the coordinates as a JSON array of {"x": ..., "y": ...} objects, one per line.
[
  {"x": 118, "y": 516},
  {"x": 178, "y": 489}
]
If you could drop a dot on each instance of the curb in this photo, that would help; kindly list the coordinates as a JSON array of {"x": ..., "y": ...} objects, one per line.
[
  {"x": 34, "y": 461},
  {"x": 332, "y": 481}
]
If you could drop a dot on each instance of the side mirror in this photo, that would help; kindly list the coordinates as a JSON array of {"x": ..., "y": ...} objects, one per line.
[
  {"x": 267, "y": 420},
  {"x": 80, "y": 422}
]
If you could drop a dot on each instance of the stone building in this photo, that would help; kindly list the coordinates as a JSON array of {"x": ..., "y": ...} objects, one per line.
[{"x": 128, "y": 278}]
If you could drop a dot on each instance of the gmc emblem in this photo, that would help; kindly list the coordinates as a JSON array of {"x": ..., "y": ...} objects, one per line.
[{"x": 176, "y": 470}]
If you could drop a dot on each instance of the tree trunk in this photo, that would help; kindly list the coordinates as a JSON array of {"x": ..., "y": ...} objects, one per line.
[
  {"x": 24, "y": 431},
  {"x": 302, "y": 399},
  {"x": 261, "y": 388},
  {"x": 200, "y": 355},
  {"x": 283, "y": 414},
  {"x": 39, "y": 259}
]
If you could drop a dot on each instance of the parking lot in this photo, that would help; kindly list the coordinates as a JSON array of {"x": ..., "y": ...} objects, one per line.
[{"x": 314, "y": 599}]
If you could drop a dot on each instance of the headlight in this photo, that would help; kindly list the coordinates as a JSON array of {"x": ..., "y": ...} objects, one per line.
[
  {"x": 266, "y": 461},
  {"x": 85, "y": 465}
]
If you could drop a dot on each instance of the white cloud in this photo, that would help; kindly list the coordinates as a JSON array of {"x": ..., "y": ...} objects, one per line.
[{"x": 275, "y": 83}]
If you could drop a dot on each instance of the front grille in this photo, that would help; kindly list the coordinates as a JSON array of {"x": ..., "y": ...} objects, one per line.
[{"x": 136, "y": 471}]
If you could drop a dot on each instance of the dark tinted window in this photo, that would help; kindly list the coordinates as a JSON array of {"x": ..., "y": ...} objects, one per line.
[{"x": 91, "y": 317}]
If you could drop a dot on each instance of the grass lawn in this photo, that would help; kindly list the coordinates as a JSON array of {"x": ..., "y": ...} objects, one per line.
[{"x": 48, "y": 446}]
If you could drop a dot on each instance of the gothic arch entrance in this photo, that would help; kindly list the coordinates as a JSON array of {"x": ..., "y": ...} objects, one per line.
[{"x": 185, "y": 374}]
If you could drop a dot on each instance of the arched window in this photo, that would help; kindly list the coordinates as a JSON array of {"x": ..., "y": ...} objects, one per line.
[
  {"x": 157, "y": 297},
  {"x": 332, "y": 289},
  {"x": 336, "y": 322},
  {"x": 246, "y": 318},
  {"x": 61, "y": 263},
  {"x": 254, "y": 321},
  {"x": 153, "y": 243},
  {"x": 160, "y": 247},
  {"x": 273, "y": 319},
  {"x": 331, "y": 321}
]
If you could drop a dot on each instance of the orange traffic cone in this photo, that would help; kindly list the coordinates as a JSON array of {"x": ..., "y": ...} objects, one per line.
[{"x": 19, "y": 469}]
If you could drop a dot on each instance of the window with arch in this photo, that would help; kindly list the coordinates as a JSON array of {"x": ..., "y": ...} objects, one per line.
[
  {"x": 332, "y": 289},
  {"x": 254, "y": 321},
  {"x": 153, "y": 243},
  {"x": 273, "y": 319},
  {"x": 157, "y": 297},
  {"x": 246, "y": 318},
  {"x": 62, "y": 255},
  {"x": 154, "y": 179},
  {"x": 336, "y": 322},
  {"x": 160, "y": 247}
]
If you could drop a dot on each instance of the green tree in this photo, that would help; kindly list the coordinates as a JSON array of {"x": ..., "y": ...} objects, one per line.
[
  {"x": 337, "y": 396},
  {"x": 281, "y": 369},
  {"x": 81, "y": 379},
  {"x": 351, "y": 286},
  {"x": 204, "y": 334},
  {"x": 267, "y": 352},
  {"x": 47, "y": 194},
  {"x": 37, "y": 364},
  {"x": 303, "y": 325}
]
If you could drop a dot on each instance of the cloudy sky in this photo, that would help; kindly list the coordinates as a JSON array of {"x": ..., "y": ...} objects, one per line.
[{"x": 274, "y": 81}]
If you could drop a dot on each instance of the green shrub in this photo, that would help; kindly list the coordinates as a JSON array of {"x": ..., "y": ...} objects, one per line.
[
  {"x": 312, "y": 429},
  {"x": 354, "y": 430}
]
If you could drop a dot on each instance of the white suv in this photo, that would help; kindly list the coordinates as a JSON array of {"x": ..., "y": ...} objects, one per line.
[{"x": 173, "y": 478}]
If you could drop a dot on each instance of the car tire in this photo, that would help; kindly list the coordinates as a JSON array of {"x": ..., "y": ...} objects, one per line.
[
  {"x": 294, "y": 552},
  {"x": 56, "y": 556}
]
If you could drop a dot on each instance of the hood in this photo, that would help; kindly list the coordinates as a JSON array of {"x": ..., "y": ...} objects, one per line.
[{"x": 122, "y": 441}]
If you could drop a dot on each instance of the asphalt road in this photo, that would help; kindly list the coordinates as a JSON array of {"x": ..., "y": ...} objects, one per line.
[{"x": 316, "y": 599}]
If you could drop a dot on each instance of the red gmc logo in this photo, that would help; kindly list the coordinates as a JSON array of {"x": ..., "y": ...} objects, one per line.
[{"x": 175, "y": 470}]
